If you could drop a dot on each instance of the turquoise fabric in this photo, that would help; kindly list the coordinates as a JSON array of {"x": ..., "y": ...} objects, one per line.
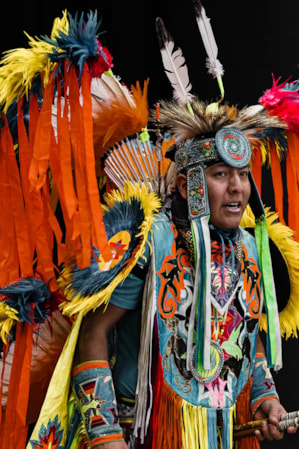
[{"x": 172, "y": 339}]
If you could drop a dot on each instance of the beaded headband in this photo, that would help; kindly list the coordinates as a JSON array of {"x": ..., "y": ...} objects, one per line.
[{"x": 229, "y": 145}]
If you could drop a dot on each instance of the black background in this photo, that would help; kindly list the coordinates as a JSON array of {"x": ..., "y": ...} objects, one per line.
[{"x": 255, "y": 40}]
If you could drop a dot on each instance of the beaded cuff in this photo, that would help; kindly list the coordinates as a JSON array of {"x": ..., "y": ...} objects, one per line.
[
  {"x": 93, "y": 387},
  {"x": 263, "y": 386}
]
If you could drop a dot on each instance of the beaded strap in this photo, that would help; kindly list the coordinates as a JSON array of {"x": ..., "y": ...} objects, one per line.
[
  {"x": 93, "y": 387},
  {"x": 263, "y": 386}
]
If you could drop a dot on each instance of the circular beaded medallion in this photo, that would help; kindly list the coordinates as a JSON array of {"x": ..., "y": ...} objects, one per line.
[
  {"x": 233, "y": 147},
  {"x": 217, "y": 360}
]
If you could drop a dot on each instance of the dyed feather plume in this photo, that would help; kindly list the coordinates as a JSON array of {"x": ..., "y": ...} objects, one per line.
[
  {"x": 214, "y": 66},
  {"x": 174, "y": 64},
  {"x": 117, "y": 113},
  {"x": 282, "y": 100}
]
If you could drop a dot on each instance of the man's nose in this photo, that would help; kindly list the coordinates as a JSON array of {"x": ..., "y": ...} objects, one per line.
[{"x": 235, "y": 183}]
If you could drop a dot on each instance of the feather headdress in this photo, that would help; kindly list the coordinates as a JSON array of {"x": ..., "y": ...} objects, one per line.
[{"x": 177, "y": 118}]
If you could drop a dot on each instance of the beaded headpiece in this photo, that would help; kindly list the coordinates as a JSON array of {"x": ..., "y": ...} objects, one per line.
[{"x": 192, "y": 156}]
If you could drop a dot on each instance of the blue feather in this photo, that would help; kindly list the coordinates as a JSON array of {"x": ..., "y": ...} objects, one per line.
[
  {"x": 80, "y": 44},
  {"x": 23, "y": 294},
  {"x": 292, "y": 87},
  {"x": 122, "y": 216}
]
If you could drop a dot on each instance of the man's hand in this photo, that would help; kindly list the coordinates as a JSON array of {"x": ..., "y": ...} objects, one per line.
[{"x": 272, "y": 410}]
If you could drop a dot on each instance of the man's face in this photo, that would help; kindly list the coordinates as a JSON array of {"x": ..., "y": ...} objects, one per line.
[{"x": 228, "y": 192}]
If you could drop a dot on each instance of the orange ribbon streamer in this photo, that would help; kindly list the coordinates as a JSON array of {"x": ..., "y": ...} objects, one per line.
[{"x": 14, "y": 429}]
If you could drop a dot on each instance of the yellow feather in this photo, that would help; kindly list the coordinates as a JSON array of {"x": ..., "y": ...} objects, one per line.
[
  {"x": 282, "y": 236},
  {"x": 8, "y": 317},
  {"x": 19, "y": 67}
]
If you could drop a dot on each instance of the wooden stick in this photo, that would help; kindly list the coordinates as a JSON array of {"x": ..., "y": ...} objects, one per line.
[{"x": 247, "y": 429}]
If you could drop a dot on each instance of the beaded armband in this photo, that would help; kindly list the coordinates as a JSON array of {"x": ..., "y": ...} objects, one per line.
[
  {"x": 93, "y": 387},
  {"x": 263, "y": 386}
]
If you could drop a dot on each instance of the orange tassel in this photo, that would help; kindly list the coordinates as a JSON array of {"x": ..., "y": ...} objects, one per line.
[
  {"x": 292, "y": 182},
  {"x": 257, "y": 171},
  {"x": 9, "y": 264},
  {"x": 41, "y": 234},
  {"x": 244, "y": 415},
  {"x": 14, "y": 429},
  {"x": 20, "y": 218},
  {"x": 292, "y": 195},
  {"x": 42, "y": 142},
  {"x": 277, "y": 185},
  {"x": 77, "y": 139},
  {"x": 64, "y": 163},
  {"x": 97, "y": 223}
]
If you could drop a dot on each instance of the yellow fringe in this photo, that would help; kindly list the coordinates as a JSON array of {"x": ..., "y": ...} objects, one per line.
[
  {"x": 194, "y": 427},
  {"x": 282, "y": 236},
  {"x": 150, "y": 204}
]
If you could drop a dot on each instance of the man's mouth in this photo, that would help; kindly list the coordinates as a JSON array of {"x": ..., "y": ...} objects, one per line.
[{"x": 233, "y": 206}]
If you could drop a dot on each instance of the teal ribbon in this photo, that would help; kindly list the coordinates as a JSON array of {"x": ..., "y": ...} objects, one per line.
[
  {"x": 262, "y": 242},
  {"x": 212, "y": 427}
]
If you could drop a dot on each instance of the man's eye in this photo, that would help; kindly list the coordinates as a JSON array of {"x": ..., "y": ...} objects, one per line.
[{"x": 244, "y": 173}]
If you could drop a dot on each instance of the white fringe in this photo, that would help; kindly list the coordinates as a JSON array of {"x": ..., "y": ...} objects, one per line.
[{"x": 144, "y": 393}]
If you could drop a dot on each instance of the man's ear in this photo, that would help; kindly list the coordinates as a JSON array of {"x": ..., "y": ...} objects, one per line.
[{"x": 181, "y": 182}]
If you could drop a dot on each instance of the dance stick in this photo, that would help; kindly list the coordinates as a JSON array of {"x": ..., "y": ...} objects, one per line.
[{"x": 246, "y": 430}]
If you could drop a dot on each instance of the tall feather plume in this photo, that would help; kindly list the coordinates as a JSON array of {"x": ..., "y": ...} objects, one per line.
[
  {"x": 174, "y": 64},
  {"x": 214, "y": 66}
]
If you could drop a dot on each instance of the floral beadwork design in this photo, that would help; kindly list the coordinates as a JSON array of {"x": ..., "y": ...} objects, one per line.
[
  {"x": 197, "y": 192},
  {"x": 50, "y": 436}
]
